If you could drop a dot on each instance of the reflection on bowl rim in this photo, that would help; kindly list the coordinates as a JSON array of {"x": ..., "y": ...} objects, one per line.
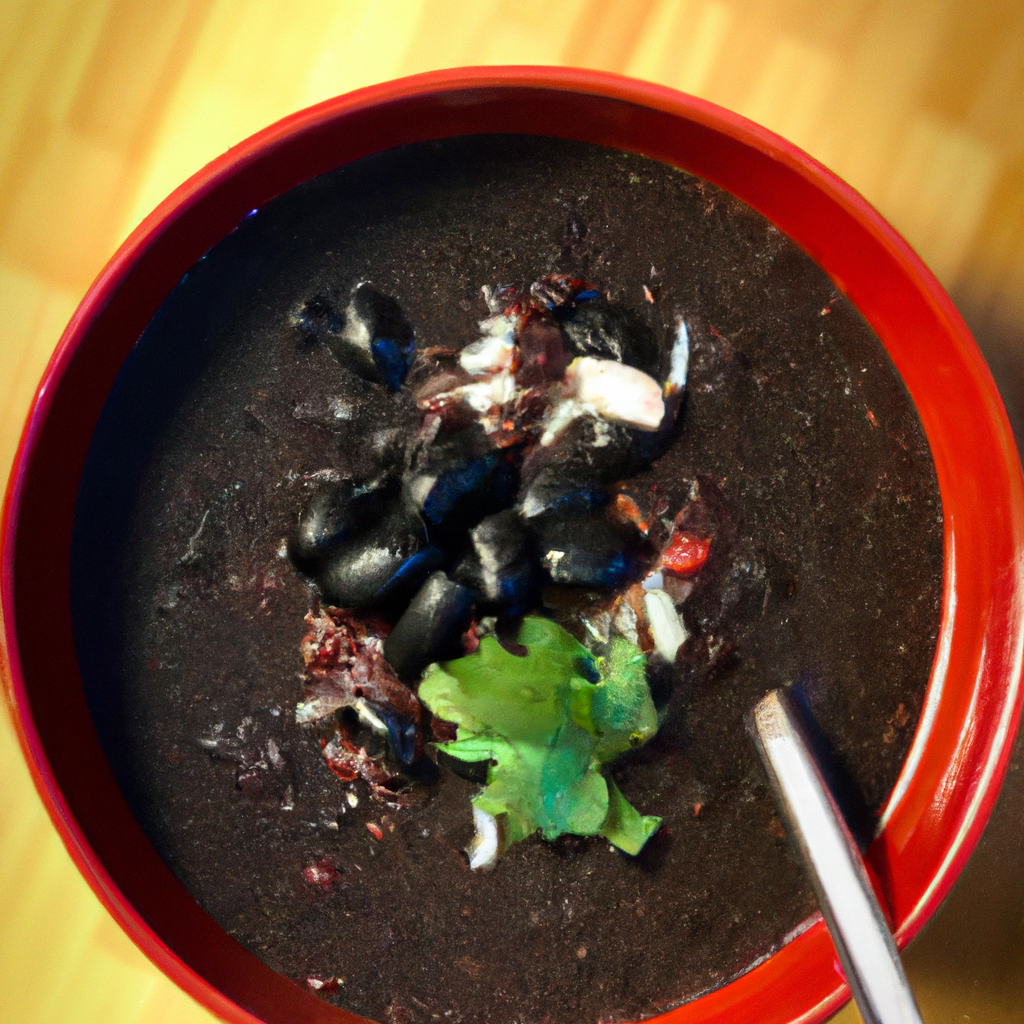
[{"x": 949, "y": 783}]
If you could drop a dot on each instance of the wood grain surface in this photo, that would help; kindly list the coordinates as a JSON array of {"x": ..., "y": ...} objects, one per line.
[{"x": 107, "y": 105}]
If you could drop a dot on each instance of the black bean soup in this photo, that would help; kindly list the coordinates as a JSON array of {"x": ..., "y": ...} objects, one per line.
[{"x": 372, "y": 427}]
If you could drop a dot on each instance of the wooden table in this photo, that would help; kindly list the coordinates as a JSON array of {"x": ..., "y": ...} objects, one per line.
[{"x": 107, "y": 105}]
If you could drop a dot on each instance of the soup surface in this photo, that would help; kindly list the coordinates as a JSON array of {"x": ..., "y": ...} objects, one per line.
[{"x": 825, "y": 572}]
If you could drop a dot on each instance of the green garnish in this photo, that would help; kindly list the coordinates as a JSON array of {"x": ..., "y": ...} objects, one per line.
[{"x": 547, "y": 722}]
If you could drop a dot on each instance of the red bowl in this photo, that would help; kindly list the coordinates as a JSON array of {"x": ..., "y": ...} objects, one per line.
[{"x": 950, "y": 781}]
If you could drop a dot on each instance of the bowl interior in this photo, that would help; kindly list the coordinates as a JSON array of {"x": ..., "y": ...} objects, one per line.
[{"x": 948, "y": 785}]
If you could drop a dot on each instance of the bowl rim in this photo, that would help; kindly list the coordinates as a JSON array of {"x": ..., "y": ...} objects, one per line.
[{"x": 958, "y": 757}]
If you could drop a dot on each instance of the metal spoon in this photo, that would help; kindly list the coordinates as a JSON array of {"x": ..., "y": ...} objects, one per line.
[{"x": 847, "y": 900}]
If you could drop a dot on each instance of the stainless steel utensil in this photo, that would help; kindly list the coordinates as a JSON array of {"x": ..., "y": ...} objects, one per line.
[{"x": 847, "y": 900}]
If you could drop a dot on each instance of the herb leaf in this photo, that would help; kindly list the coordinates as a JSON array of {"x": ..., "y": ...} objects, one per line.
[{"x": 547, "y": 722}]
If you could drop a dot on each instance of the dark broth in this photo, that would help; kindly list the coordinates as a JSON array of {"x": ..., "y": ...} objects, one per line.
[{"x": 827, "y": 572}]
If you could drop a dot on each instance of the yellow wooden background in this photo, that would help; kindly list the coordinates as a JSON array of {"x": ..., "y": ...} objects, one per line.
[{"x": 107, "y": 105}]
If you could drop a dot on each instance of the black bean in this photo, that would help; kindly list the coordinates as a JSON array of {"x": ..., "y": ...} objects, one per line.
[
  {"x": 501, "y": 567},
  {"x": 431, "y": 627},
  {"x": 381, "y": 568}
]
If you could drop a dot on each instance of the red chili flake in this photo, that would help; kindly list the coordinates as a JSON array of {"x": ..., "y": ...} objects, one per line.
[
  {"x": 345, "y": 772},
  {"x": 696, "y": 808},
  {"x": 322, "y": 874},
  {"x": 686, "y": 554},
  {"x": 375, "y": 830},
  {"x": 323, "y": 985},
  {"x": 870, "y": 416},
  {"x": 626, "y": 509}
]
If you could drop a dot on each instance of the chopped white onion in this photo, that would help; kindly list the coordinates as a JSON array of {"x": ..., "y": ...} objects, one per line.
[
  {"x": 483, "y": 849},
  {"x": 616, "y": 392},
  {"x": 490, "y": 354},
  {"x": 680, "y": 364},
  {"x": 667, "y": 629},
  {"x": 476, "y": 396}
]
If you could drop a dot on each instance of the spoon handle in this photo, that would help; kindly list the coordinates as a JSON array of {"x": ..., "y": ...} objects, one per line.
[{"x": 847, "y": 900}]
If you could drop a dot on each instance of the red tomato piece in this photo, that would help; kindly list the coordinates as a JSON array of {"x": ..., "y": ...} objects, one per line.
[{"x": 686, "y": 554}]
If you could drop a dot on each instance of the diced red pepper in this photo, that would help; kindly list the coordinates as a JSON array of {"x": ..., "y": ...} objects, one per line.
[
  {"x": 686, "y": 554},
  {"x": 322, "y": 874}
]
